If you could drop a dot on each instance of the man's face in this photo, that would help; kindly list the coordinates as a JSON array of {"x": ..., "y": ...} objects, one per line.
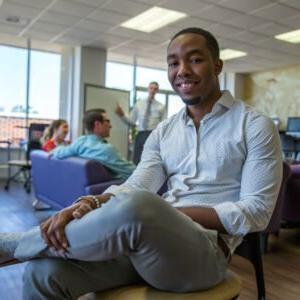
[
  {"x": 102, "y": 129},
  {"x": 192, "y": 71},
  {"x": 152, "y": 90}
]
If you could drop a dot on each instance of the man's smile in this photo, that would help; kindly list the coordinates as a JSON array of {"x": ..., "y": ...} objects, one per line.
[{"x": 186, "y": 86}]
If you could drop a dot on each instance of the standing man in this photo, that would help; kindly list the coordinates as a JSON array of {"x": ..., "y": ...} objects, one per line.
[
  {"x": 146, "y": 114},
  {"x": 222, "y": 160}
]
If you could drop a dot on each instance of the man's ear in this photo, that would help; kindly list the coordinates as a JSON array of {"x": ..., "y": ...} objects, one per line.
[
  {"x": 96, "y": 123},
  {"x": 218, "y": 66}
]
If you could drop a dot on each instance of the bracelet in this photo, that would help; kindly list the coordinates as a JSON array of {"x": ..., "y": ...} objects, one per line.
[
  {"x": 96, "y": 201},
  {"x": 94, "y": 198}
]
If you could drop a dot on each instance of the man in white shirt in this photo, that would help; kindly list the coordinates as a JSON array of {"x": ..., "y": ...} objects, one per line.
[
  {"x": 222, "y": 161},
  {"x": 145, "y": 115}
]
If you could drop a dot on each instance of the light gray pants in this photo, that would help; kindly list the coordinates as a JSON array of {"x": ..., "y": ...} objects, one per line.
[{"x": 134, "y": 237}]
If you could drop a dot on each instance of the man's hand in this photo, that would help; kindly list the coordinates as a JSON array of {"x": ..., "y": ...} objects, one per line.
[
  {"x": 119, "y": 111},
  {"x": 53, "y": 229},
  {"x": 87, "y": 204}
]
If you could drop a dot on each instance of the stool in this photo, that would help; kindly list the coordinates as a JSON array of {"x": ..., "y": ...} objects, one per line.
[{"x": 229, "y": 289}]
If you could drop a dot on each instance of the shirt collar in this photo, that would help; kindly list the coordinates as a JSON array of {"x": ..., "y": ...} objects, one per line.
[
  {"x": 95, "y": 137},
  {"x": 225, "y": 101}
]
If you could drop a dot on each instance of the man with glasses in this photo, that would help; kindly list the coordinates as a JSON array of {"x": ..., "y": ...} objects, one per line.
[{"x": 94, "y": 146}]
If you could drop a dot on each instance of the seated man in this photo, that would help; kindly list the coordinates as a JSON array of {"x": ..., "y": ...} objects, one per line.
[
  {"x": 94, "y": 146},
  {"x": 223, "y": 164}
]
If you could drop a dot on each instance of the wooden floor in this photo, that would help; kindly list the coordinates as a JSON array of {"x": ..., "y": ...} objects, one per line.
[
  {"x": 281, "y": 264},
  {"x": 16, "y": 214}
]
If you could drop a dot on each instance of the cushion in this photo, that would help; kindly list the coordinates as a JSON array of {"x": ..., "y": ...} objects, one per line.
[{"x": 226, "y": 290}]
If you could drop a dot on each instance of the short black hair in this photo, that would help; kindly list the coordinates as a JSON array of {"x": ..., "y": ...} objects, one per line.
[
  {"x": 90, "y": 116},
  {"x": 211, "y": 41},
  {"x": 155, "y": 83}
]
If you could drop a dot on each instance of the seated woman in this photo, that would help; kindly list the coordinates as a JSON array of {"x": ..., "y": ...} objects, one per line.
[{"x": 55, "y": 135}]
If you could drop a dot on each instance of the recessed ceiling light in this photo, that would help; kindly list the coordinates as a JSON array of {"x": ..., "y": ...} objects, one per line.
[
  {"x": 153, "y": 18},
  {"x": 291, "y": 36},
  {"x": 15, "y": 20},
  {"x": 227, "y": 54}
]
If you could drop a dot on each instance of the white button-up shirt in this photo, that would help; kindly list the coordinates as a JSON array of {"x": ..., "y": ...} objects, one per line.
[
  {"x": 157, "y": 114},
  {"x": 232, "y": 164}
]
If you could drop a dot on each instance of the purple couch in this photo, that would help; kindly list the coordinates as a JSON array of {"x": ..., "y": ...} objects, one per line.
[
  {"x": 291, "y": 204},
  {"x": 59, "y": 182}
]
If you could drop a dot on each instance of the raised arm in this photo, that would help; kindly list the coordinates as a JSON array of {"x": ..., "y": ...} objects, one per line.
[{"x": 129, "y": 120}]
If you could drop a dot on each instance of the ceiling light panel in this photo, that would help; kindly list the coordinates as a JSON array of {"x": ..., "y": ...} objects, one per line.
[
  {"x": 153, "y": 19},
  {"x": 290, "y": 37},
  {"x": 227, "y": 54}
]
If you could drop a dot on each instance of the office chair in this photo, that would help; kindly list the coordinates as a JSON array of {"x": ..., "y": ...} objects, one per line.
[
  {"x": 288, "y": 146},
  {"x": 251, "y": 249},
  {"x": 35, "y": 132}
]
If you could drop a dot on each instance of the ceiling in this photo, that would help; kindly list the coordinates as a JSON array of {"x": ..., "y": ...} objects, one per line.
[{"x": 247, "y": 25}]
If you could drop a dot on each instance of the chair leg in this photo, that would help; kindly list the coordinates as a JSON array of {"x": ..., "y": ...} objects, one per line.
[
  {"x": 251, "y": 250},
  {"x": 264, "y": 243},
  {"x": 27, "y": 184},
  {"x": 11, "y": 178},
  {"x": 258, "y": 266},
  {"x": 27, "y": 179}
]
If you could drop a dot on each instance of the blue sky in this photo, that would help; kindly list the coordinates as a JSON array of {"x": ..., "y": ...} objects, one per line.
[{"x": 44, "y": 81}]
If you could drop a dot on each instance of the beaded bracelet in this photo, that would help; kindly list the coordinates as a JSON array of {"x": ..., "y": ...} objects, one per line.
[
  {"x": 96, "y": 201},
  {"x": 94, "y": 198}
]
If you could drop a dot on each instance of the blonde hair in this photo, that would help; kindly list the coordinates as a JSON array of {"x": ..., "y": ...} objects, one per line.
[{"x": 49, "y": 131}]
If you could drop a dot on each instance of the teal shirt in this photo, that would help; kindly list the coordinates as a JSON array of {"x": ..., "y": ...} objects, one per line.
[{"x": 93, "y": 147}]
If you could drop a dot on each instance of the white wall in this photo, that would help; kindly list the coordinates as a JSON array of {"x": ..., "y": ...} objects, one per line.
[
  {"x": 233, "y": 82},
  {"x": 79, "y": 65},
  {"x": 89, "y": 67}
]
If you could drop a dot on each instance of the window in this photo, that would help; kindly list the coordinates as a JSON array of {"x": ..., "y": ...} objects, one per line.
[
  {"x": 146, "y": 75},
  {"x": 44, "y": 91},
  {"x": 119, "y": 76},
  {"x": 44, "y": 85},
  {"x": 12, "y": 93},
  {"x": 175, "y": 104}
]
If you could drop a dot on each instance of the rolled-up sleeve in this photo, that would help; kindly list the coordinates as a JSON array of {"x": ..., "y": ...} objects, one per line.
[{"x": 260, "y": 182}]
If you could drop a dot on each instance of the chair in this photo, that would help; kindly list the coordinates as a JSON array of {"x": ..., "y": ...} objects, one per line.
[
  {"x": 288, "y": 146},
  {"x": 255, "y": 243},
  {"x": 35, "y": 132},
  {"x": 274, "y": 224},
  {"x": 5, "y": 145},
  {"x": 229, "y": 289},
  {"x": 251, "y": 249},
  {"x": 291, "y": 203}
]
